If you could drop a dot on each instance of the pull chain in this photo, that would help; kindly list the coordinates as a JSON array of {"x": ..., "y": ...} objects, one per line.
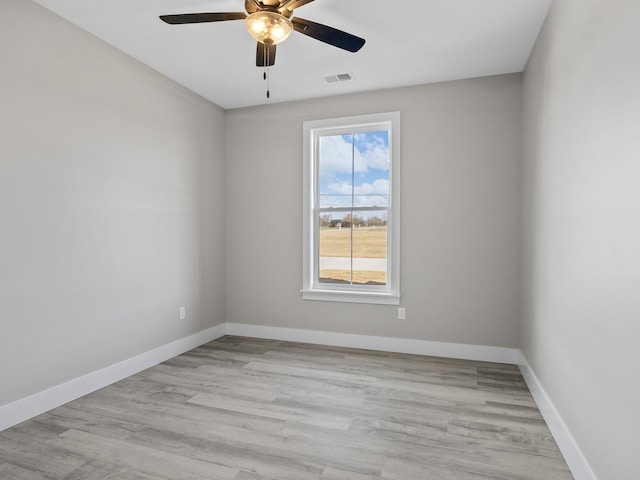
[
  {"x": 265, "y": 75},
  {"x": 268, "y": 84}
]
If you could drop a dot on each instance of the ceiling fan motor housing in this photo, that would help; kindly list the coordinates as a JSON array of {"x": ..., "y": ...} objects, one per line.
[{"x": 252, "y": 6}]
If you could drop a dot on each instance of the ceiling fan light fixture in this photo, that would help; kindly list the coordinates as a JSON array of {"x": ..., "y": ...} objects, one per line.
[{"x": 270, "y": 28}]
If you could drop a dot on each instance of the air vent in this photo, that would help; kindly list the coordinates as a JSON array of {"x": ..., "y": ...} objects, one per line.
[{"x": 342, "y": 77}]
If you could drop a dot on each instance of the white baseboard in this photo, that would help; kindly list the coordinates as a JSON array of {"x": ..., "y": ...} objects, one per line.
[
  {"x": 29, "y": 407},
  {"x": 384, "y": 344},
  {"x": 568, "y": 447}
]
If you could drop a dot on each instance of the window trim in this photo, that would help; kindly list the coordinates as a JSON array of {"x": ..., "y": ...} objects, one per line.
[{"x": 386, "y": 295}]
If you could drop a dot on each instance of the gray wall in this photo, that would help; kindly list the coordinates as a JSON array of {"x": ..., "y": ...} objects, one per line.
[
  {"x": 460, "y": 187},
  {"x": 582, "y": 188},
  {"x": 111, "y": 205},
  {"x": 112, "y": 210}
]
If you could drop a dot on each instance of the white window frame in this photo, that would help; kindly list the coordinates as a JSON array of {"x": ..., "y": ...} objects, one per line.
[{"x": 312, "y": 289}]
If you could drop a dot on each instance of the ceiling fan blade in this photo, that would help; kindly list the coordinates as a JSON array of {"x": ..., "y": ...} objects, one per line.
[
  {"x": 202, "y": 17},
  {"x": 265, "y": 55},
  {"x": 329, "y": 35},
  {"x": 291, "y": 5}
]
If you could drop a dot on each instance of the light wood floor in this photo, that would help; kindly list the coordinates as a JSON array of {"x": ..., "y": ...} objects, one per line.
[{"x": 246, "y": 409}]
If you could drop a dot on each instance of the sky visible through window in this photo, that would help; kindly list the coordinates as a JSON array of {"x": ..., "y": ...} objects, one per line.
[{"x": 354, "y": 168}]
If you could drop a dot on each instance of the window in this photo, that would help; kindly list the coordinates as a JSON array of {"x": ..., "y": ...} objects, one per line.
[{"x": 352, "y": 209}]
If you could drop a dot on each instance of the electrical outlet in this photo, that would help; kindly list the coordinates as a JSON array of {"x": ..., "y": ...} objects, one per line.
[
  {"x": 183, "y": 313},
  {"x": 402, "y": 313}
]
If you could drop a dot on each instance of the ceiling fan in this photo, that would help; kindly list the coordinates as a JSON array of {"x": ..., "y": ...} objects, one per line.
[{"x": 270, "y": 22}]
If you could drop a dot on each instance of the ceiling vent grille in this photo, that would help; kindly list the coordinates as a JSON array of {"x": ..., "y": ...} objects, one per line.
[{"x": 342, "y": 77}]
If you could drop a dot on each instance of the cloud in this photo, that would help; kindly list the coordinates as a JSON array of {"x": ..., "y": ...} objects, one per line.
[
  {"x": 337, "y": 153},
  {"x": 373, "y": 150},
  {"x": 380, "y": 187},
  {"x": 366, "y": 194}
]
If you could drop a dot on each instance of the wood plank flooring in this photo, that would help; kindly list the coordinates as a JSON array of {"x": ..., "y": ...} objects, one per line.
[{"x": 247, "y": 409}]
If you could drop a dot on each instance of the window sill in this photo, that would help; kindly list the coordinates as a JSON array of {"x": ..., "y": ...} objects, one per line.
[{"x": 351, "y": 297}]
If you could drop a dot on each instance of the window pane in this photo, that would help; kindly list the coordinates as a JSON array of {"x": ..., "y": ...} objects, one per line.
[
  {"x": 354, "y": 170},
  {"x": 335, "y": 171},
  {"x": 369, "y": 241},
  {"x": 334, "y": 247},
  {"x": 371, "y": 169},
  {"x": 353, "y": 248}
]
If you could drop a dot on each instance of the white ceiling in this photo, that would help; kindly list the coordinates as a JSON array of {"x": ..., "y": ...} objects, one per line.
[{"x": 409, "y": 42}]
